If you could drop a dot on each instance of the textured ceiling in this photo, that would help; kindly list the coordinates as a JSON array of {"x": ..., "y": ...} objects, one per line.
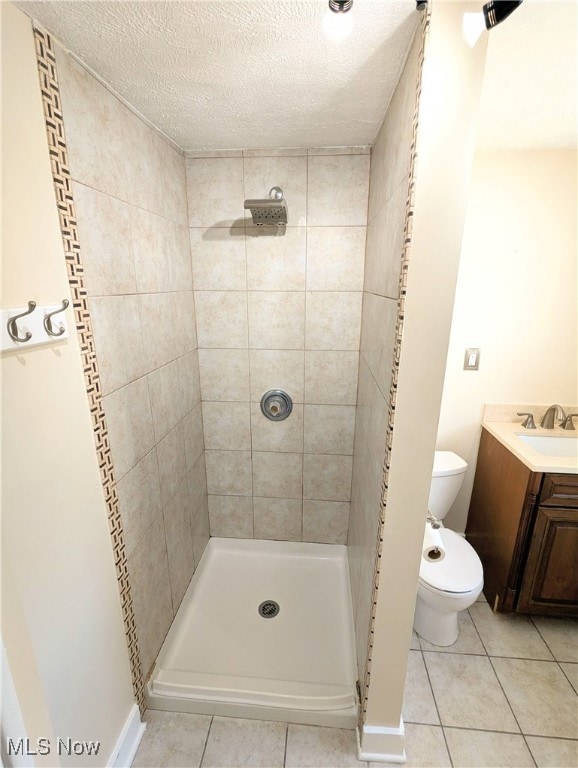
[
  {"x": 529, "y": 93},
  {"x": 220, "y": 74},
  {"x": 229, "y": 74}
]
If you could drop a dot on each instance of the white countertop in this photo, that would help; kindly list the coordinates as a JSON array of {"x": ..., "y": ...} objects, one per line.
[{"x": 506, "y": 432}]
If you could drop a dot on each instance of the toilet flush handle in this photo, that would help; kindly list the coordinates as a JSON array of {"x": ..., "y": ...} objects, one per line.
[{"x": 433, "y": 521}]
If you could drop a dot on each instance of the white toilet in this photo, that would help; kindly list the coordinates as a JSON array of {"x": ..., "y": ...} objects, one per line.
[{"x": 452, "y": 584}]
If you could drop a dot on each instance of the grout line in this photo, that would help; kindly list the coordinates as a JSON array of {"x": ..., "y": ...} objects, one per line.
[
  {"x": 286, "y": 740},
  {"x": 206, "y": 742},
  {"x": 436, "y": 706}
]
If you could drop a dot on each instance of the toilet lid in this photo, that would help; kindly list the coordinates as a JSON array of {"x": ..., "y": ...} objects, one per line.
[
  {"x": 448, "y": 463},
  {"x": 459, "y": 571}
]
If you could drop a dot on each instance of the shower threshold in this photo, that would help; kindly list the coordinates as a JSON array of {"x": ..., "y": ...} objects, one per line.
[{"x": 265, "y": 630}]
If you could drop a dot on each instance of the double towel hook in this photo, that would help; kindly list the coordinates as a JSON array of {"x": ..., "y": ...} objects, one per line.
[
  {"x": 48, "y": 320},
  {"x": 13, "y": 328}
]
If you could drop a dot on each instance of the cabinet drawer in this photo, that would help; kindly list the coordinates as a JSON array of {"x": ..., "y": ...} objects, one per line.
[{"x": 559, "y": 491}]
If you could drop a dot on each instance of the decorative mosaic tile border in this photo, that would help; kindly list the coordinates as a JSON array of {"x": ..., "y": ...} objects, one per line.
[
  {"x": 407, "y": 239},
  {"x": 63, "y": 190}
]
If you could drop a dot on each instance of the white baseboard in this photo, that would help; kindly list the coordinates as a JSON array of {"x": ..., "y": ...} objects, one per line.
[
  {"x": 128, "y": 741},
  {"x": 381, "y": 745}
]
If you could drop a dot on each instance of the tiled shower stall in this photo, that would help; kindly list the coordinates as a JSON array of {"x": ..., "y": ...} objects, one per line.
[{"x": 196, "y": 314}]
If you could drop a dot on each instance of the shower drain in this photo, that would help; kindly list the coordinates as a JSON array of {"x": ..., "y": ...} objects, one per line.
[{"x": 269, "y": 609}]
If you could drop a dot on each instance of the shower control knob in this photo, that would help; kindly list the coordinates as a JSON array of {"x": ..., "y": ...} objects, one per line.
[{"x": 276, "y": 193}]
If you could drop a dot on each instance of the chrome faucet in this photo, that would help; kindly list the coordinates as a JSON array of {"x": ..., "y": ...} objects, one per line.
[
  {"x": 548, "y": 418},
  {"x": 567, "y": 423}
]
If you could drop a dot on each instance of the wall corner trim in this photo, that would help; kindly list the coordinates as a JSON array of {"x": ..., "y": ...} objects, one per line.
[
  {"x": 128, "y": 742},
  {"x": 381, "y": 745}
]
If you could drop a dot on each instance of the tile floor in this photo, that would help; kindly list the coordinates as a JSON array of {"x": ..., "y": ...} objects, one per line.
[{"x": 505, "y": 695}]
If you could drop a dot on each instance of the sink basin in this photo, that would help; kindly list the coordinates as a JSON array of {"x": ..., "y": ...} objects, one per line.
[{"x": 554, "y": 445}]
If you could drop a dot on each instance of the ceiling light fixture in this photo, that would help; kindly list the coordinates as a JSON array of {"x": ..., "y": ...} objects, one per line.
[{"x": 337, "y": 22}]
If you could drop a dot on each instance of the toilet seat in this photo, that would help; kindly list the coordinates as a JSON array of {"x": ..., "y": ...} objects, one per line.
[{"x": 459, "y": 572}]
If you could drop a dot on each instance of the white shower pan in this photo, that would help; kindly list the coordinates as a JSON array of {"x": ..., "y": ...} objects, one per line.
[{"x": 222, "y": 657}]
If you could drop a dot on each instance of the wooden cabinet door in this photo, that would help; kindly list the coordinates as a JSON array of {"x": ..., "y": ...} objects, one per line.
[{"x": 550, "y": 582}]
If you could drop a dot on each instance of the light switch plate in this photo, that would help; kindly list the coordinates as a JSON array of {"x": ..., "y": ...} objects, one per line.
[{"x": 472, "y": 359}]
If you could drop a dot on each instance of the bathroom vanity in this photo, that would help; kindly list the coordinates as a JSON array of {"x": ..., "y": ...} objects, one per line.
[{"x": 523, "y": 523}]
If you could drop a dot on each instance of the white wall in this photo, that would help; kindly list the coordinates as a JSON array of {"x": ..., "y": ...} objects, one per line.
[
  {"x": 515, "y": 297},
  {"x": 60, "y": 594}
]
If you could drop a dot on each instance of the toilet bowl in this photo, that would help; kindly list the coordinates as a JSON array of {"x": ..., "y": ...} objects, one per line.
[{"x": 449, "y": 585}]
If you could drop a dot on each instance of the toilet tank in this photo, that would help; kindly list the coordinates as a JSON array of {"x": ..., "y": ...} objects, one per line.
[{"x": 447, "y": 478}]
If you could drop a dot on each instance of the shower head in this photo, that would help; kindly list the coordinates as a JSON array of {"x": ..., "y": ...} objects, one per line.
[{"x": 271, "y": 211}]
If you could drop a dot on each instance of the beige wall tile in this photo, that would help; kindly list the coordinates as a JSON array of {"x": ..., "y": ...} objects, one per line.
[
  {"x": 151, "y": 248},
  {"x": 229, "y": 473},
  {"x": 179, "y": 249},
  {"x": 231, "y": 516},
  {"x": 172, "y": 463},
  {"x": 215, "y": 191},
  {"x": 105, "y": 238},
  {"x": 276, "y": 320},
  {"x": 385, "y": 235},
  {"x": 285, "y": 436},
  {"x": 362, "y": 149},
  {"x": 197, "y": 478},
  {"x": 273, "y": 152},
  {"x": 118, "y": 340},
  {"x": 333, "y": 320},
  {"x": 193, "y": 436},
  {"x": 325, "y": 522},
  {"x": 224, "y": 374},
  {"x": 89, "y": 110},
  {"x": 173, "y": 183},
  {"x": 139, "y": 498},
  {"x": 278, "y": 519},
  {"x": 130, "y": 425},
  {"x": 189, "y": 381},
  {"x": 218, "y": 257},
  {"x": 289, "y": 173},
  {"x": 276, "y": 263},
  {"x": 184, "y": 327},
  {"x": 337, "y": 190},
  {"x": 327, "y": 477},
  {"x": 166, "y": 399},
  {"x": 378, "y": 338},
  {"x": 221, "y": 319},
  {"x": 227, "y": 426},
  {"x": 331, "y": 378},
  {"x": 329, "y": 429},
  {"x": 158, "y": 321},
  {"x": 201, "y": 530},
  {"x": 278, "y": 475},
  {"x": 277, "y": 369},
  {"x": 335, "y": 258},
  {"x": 141, "y": 160},
  {"x": 177, "y": 522}
]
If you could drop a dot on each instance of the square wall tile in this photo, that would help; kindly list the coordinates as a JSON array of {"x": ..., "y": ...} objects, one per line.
[
  {"x": 331, "y": 378},
  {"x": 221, "y": 319},
  {"x": 231, "y": 516},
  {"x": 325, "y": 522},
  {"x": 218, "y": 257},
  {"x": 378, "y": 338},
  {"x": 227, "y": 426},
  {"x": 278, "y": 475},
  {"x": 184, "y": 325},
  {"x": 130, "y": 425},
  {"x": 118, "y": 340},
  {"x": 229, "y": 473},
  {"x": 333, "y": 320},
  {"x": 215, "y": 193},
  {"x": 193, "y": 436},
  {"x": 277, "y": 369},
  {"x": 177, "y": 521},
  {"x": 151, "y": 247},
  {"x": 276, "y": 263},
  {"x": 224, "y": 374},
  {"x": 327, "y": 477},
  {"x": 329, "y": 429},
  {"x": 285, "y": 436},
  {"x": 139, "y": 499},
  {"x": 166, "y": 399},
  {"x": 189, "y": 381},
  {"x": 338, "y": 187},
  {"x": 289, "y": 173},
  {"x": 179, "y": 250},
  {"x": 159, "y": 329},
  {"x": 105, "y": 239},
  {"x": 278, "y": 519},
  {"x": 335, "y": 258},
  {"x": 172, "y": 462},
  {"x": 276, "y": 320}
]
